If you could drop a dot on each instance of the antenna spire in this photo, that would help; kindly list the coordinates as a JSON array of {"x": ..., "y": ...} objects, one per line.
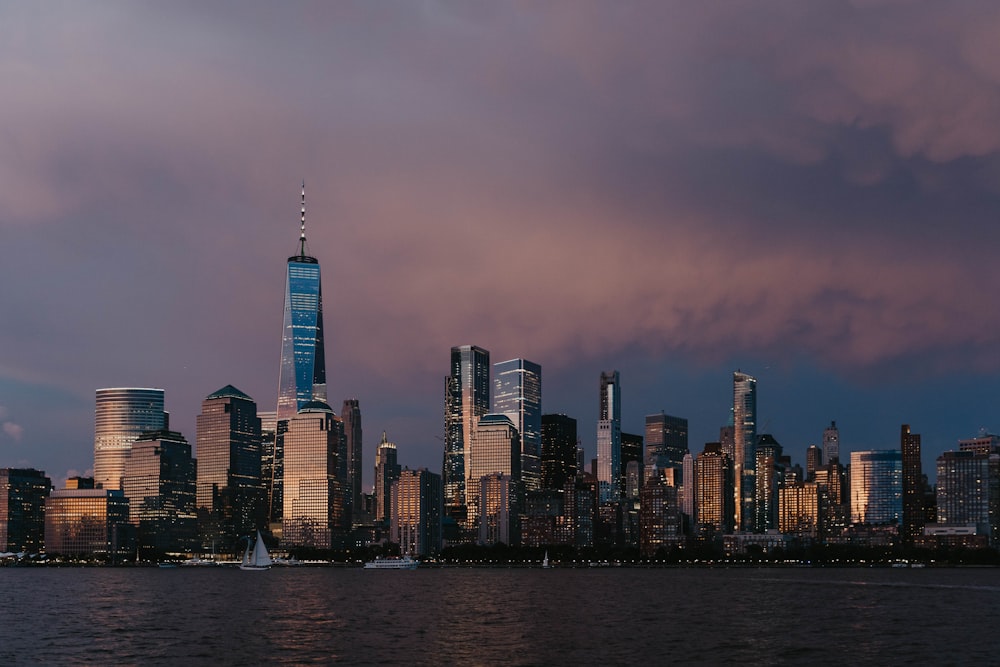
[{"x": 302, "y": 233}]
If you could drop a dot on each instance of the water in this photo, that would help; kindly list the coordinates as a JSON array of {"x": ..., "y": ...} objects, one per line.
[{"x": 202, "y": 616}]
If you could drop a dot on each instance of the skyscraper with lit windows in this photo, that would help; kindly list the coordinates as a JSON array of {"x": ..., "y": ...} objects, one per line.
[
  {"x": 467, "y": 398},
  {"x": 496, "y": 448},
  {"x": 517, "y": 393},
  {"x": 876, "y": 487},
  {"x": 121, "y": 415},
  {"x": 609, "y": 437},
  {"x": 744, "y": 444},
  {"x": 313, "y": 499}
]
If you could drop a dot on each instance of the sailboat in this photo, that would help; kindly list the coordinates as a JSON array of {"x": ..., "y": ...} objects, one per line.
[
  {"x": 545, "y": 561},
  {"x": 259, "y": 558}
]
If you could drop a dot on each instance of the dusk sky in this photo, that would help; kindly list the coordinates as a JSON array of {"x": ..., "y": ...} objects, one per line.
[{"x": 807, "y": 191}]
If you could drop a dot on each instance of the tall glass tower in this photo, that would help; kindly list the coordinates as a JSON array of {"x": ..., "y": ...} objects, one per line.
[
  {"x": 609, "y": 437},
  {"x": 744, "y": 446},
  {"x": 121, "y": 415},
  {"x": 467, "y": 398},
  {"x": 517, "y": 393},
  {"x": 302, "y": 376}
]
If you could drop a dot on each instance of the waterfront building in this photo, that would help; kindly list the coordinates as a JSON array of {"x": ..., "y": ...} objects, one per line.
[
  {"x": 350, "y": 414},
  {"x": 160, "y": 484},
  {"x": 22, "y": 509},
  {"x": 769, "y": 475},
  {"x": 498, "y": 509},
  {"x": 313, "y": 514},
  {"x": 302, "y": 369},
  {"x": 799, "y": 509},
  {"x": 577, "y": 524},
  {"x": 387, "y": 471},
  {"x": 517, "y": 393},
  {"x": 912, "y": 523},
  {"x": 559, "y": 451},
  {"x": 744, "y": 443},
  {"x": 666, "y": 440},
  {"x": 495, "y": 449},
  {"x": 714, "y": 496},
  {"x": 89, "y": 522},
  {"x": 876, "y": 486},
  {"x": 609, "y": 437},
  {"x": 967, "y": 491},
  {"x": 542, "y": 510},
  {"x": 660, "y": 520},
  {"x": 415, "y": 523},
  {"x": 467, "y": 398},
  {"x": 121, "y": 415},
  {"x": 831, "y": 444},
  {"x": 230, "y": 490}
]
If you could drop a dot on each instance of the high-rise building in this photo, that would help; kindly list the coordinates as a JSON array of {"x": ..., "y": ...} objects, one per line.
[
  {"x": 768, "y": 473},
  {"x": 22, "y": 509},
  {"x": 609, "y": 437},
  {"x": 313, "y": 513},
  {"x": 231, "y": 491},
  {"x": 798, "y": 509},
  {"x": 984, "y": 443},
  {"x": 660, "y": 519},
  {"x": 814, "y": 459},
  {"x": 517, "y": 393},
  {"x": 350, "y": 414},
  {"x": 386, "y": 473},
  {"x": 89, "y": 522},
  {"x": 270, "y": 466},
  {"x": 876, "y": 487},
  {"x": 467, "y": 398},
  {"x": 968, "y": 491},
  {"x": 559, "y": 460},
  {"x": 497, "y": 509},
  {"x": 415, "y": 523},
  {"x": 302, "y": 372},
  {"x": 744, "y": 442},
  {"x": 714, "y": 496},
  {"x": 687, "y": 490},
  {"x": 160, "y": 484},
  {"x": 121, "y": 415},
  {"x": 912, "y": 524},
  {"x": 495, "y": 449},
  {"x": 831, "y": 444},
  {"x": 666, "y": 440}
]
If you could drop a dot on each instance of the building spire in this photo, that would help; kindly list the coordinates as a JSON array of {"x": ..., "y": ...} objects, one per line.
[{"x": 302, "y": 233}]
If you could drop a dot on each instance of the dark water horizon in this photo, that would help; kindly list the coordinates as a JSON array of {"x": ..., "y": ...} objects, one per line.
[{"x": 483, "y": 616}]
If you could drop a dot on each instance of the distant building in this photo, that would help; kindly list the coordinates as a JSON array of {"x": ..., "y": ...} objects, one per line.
[
  {"x": 350, "y": 414},
  {"x": 714, "y": 497},
  {"x": 22, "y": 509},
  {"x": 912, "y": 519},
  {"x": 495, "y": 448},
  {"x": 121, "y": 415},
  {"x": 769, "y": 474},
  {"x": 559, "y": 451},
  {"x": 876, "y": 487},
  {"x": 968, "y": 491},
  {"x": 831, "y": 444},
  {"x": 799, "y": 509},
  {"x": 89, "y": 522},
  {"x": 660, "y": 521},
  {"x": 814, "y": 459},
  {"x": 666, "y": 440},
  {"x": 744, "y": 444},
  {"x": 160, "y": 484},
  {"x": 631, "y": 452},
  {"x": 467, "y": 398},
  {"x": 517, "y": 393},
  {"x": 497, "y": 509},
  {"x": 609, "y": 437},
  {"x": 387, "y": 471},
  {"x": 415, "y": 523}
]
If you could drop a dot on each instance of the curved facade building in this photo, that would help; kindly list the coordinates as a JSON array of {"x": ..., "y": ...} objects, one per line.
[{"x": 121, "y": 415}]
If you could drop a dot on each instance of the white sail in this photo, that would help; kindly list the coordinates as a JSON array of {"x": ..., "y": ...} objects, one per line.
[{"x": 261, "y": 558}]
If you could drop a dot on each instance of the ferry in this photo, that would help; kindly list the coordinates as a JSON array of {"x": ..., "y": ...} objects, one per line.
[{"x": 404, "y": 563}]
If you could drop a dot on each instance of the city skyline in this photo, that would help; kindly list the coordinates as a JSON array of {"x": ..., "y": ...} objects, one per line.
[{"x": 792, "y": 197}]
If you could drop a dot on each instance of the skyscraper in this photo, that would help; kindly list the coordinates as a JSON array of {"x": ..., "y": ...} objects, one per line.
[
  {"x": 415, "y": 523},
  {"x": 966, "y": 491},
  {"x": 876, "y": 486},
  {"x": 714, "y": 496},
  {"x": 609, "y": 437},
  {"x": 517, "y": 393},
  {"x": 495, "y": 449},
  {"x": 386, "y": 473},
  {"x": 831, "y": 444},
  {"x": 350, "y": 414},
  {"x": 22, "y": 509},
  {"x": 912, "y": 524},
  {"x": 231, "y": 492},
  {"x": 467, "y": 398},
  {"x": 120, "y": 416},
  {"x": 302, "y": 374},
  {"x": 559, "y": 464},
  {"x": 666, "y": 440},
  {"x": 744, "y": 442},
  {"x": 313, "y": 500}
]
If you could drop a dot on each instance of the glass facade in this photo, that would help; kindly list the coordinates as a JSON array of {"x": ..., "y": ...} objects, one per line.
[
  {"x": 609, "y": 437},
  {"x": 495, "y": 449},
  {"x": 88, "y": 522},
  {"x": 22, "y": 509},
  {"x": 467, "y": 398},
  {"x": 350, "y": 414},
  {"x": 559, "y": 441},
  {"x": 517, "y": 393},
  {"x": 666, "y": 440},
  {"x": 415, "y": 523},
  {"x": 744, "y": 443},
  {"x": 313, "y": 501},
  {"x": 713, "y": 490},
  {"x": 120, "y": 416},
  {"x": 965, "y": 489},
  {"x": 876, "y": 486},
  {"x": 386, "y": 473}
]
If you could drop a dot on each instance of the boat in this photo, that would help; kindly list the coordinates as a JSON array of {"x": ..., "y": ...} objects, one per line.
[
  {"x": 545, "y": 561},
  {"x": 404, "y": 563},
  {"x": 167, "y": 565},
  {"x": 259, "y": 558},
  {"x": 195, "y": 561}
]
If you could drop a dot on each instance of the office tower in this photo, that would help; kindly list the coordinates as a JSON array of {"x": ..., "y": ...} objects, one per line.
[
  {"x": 386, "y": 473},
  {"x": 912, "y": 523},
  {"x": 467, "y": 398},
  {"x": 495, "y": 449},
  {"x": 744, "y": 441},
  {"x": 313, "y": 513},
  {"x": 660, "y": 519},
  {"x": 231, "y": 492},
  {"x": 89, "y": 522},
  {"x": 967, "y": 491},
  {"x": 270, "y": 466},
  {"x": 120, "y": 416},
  {"x": 559, "y": 451},
  {"x": 876, "y": 486},
  {"x": 714, "y": 497},
  {"x": 350, "y": 414},
  {"x": 609, "y": 437},
  {"x": 814, "y": 459},
  {"x": 687, "y": 490},
  {"x": 22, "y": 509},
  {"x": 831, "y": 444},
  {"x": 160, "y": 484},
  {"x": 798, "y": 509},
  {"x": 415, "y": 523},
  {"x": 768, "y": 473},
  {"x": 666, "y": 440},
  {"x": 833, "y": 497},
  {"x": 302, "y": 372},
  {"x": 517, "y": 393},
  {"x": 497, "y": 509}
]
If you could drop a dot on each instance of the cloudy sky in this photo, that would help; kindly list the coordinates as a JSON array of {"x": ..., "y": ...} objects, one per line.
[{"x": 808, "y": 191}]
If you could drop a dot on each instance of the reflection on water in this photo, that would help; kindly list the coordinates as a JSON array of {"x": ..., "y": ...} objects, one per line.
[{"x": 519, "y": 617}]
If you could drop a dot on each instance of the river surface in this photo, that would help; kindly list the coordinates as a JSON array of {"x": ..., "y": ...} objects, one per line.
[{"x": 606, "y": 616}]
